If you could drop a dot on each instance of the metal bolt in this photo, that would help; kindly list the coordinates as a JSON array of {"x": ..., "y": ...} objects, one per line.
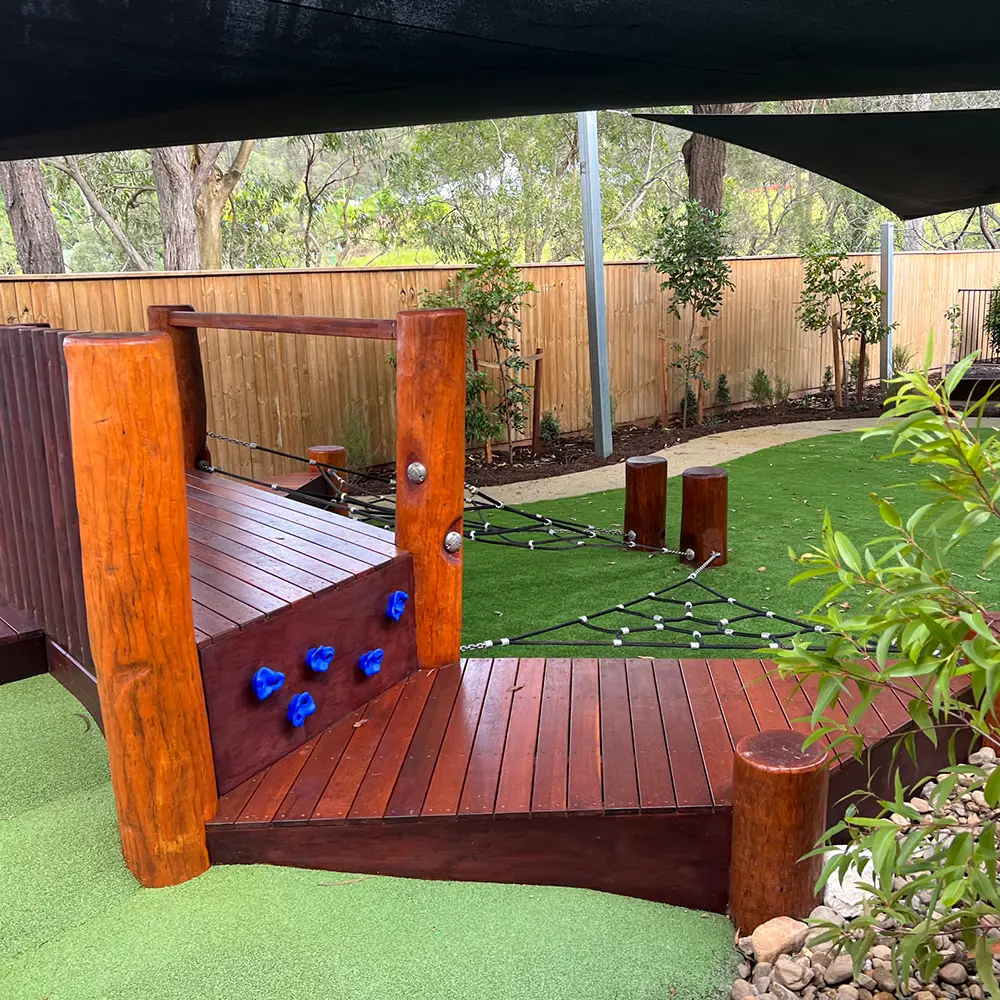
[
  {"x": 416, "y": 472},
  {"x": 452, "y": 542}
]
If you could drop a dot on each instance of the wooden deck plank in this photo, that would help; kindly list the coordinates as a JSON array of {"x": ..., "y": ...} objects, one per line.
[
  {"x": 407, "y": 797},
  {"x": 375, "y": 791},
  {"x": 736, "y": 711},
  {"x": 585, "y": 791},
  {"x": 278, "y": 779},
  {"x": 338, "y": 796},
  {"x": 312, "y": 558},
  {"x": 233, "y": 803},
  {"x": 618, "y": 767},
  {"x": 336, "y": 527},
  {"x": 311, "y": 781},
  {"x": 211, "y": 623},
  {"x": 710, "y": 725},
  {"x": 445, "y": 788},
  {"x": 552, "y": 753},
  {"x": 652, "y": 764},
  {"x": 793, "y": 703},
  {"x": 283, "y": 564},
  {"x": 360, "y": 559},
  {"x": 687, "y": 765},
  {"x": 236, "y": 588},
  {"x": 517, "y": 770},
  {"x": 764, "y": 702},
  {"x": 252, "y": 576},
  {"x": 483, "y": 773},
  {"x": 222, "y": 604}
]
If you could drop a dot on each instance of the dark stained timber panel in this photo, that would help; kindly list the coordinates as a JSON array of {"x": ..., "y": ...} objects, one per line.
[{"x": 248, "y": 734}]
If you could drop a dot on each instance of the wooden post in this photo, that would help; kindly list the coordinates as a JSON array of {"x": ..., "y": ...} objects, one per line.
[
  {"x": 430, "y": 472},
  {"x": 536, "y": 405},
  {"x": 664, "y": 401},
  {"x": 705, "y": 513},
  {"x": 128, "y": 459},
  {"x": 190, "y": 381},
  {"x": 646, "y": 500},
  {"x": 779, "y": 813},
  {"x": 328, "y": 454}
]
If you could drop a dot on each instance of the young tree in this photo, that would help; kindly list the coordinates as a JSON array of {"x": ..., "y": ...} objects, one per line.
[
  {"x": 39, "y": 247},
  {"x": 925, "y": 629},
  {"x": 689, "y": 250},
  {"x": 492, "y": 293},
  {"x": 846, "y": 299}
]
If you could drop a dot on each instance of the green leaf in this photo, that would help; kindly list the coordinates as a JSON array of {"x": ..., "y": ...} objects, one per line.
[{"x": 889, "y": 514}]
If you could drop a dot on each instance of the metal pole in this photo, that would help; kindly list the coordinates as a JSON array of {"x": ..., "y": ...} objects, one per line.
[
  {"x": 597, "y": 311},
  {"x": 887, "y": 273}
]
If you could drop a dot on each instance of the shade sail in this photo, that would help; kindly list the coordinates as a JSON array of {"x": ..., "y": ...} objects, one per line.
[
  {"x": 86, "y": 75},
  {"x": 914, "y": 163}
]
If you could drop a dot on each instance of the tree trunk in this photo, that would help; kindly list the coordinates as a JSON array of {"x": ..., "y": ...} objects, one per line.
[
  {"x": 838, "y": 368},
  {"x": 212, "y": 188},
  {"x": 705, "y": 161},
  {"x": 862, "y": 359},
  {"x": 39, "y": 248},
  {"x": 175, "y": 192}
]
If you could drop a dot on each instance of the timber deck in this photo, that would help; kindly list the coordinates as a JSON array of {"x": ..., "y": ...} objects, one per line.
[
  {"x": 254, "y": 553},
  {"x": 605, "y": 774}
]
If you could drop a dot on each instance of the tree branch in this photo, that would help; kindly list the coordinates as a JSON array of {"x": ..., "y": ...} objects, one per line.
[
  {"x": 207, "y": 158},
  {"x": 72, "y": 168}
]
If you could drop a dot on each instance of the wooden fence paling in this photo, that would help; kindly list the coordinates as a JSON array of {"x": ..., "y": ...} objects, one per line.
[
  {"x": 129, "y": 462},
  {"x": 291, "y": 392}
]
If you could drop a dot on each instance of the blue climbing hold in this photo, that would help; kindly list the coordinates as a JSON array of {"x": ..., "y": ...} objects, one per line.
[
  {"x": 397, "y": 604},
  {"x": 266, "y": 681},
  {"x": 319, "y": 658},
  {"x": 300, "y": 708},
  {"x": 371, "y": 662}
]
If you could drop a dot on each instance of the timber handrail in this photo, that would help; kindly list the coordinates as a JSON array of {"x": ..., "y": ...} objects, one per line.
[{"x": 320, "y": 326}]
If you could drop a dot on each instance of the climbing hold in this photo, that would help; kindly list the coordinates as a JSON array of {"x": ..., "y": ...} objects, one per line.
[
  {"x": 319, "y": 658},
  {"x": 300, "y": 708},
  {"x": 371, "y": 662},
  {"x": 266, "y": 681},
  {"x": 397, "y": 604}
]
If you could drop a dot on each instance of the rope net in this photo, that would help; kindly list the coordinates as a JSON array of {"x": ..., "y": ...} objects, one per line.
[
  {"x": 372, "y": 498},
  {"x": 687, "y": 615}
]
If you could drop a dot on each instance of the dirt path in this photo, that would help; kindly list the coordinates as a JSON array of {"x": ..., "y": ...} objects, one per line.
[{"x": 710, "y": 450}]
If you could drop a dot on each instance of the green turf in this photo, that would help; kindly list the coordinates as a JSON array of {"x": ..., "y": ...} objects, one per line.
[
  {"x": 75, "y": 926},
  {"x": 776, "y": 500}
]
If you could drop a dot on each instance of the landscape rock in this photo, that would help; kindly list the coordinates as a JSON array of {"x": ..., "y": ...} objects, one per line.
[
  {"x": 780, "y": 992},
  {"x": 745, "y": 945},
  {"x": 884, "y": 980},
  {"x": 779, "y": 936},
  {"x": 791, "y": 973},
  {"x": 762, "y": 977},
  {"x": 741, "y": 990},
  {"x": 866, "y": 982},
  {"x": 839, "y": 970},
  {"x": 987, "y": 755},
  {"x": 847, "y": 992},
  {"x": 844, "y": 897},
  {"x": 924, "y": 995},
  {"x": 827, "y": 913},
  {"x": 953, "y": 973}
]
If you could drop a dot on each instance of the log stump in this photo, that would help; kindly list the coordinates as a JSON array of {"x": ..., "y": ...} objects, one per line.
[
  {"x": 705, "y": 513},
  {"x": 779, "y": 813},
  {"x": 646, "y": 500},
  {"x": 330, "y": 454}
]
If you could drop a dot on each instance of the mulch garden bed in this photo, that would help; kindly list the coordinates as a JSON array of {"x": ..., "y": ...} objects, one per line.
[{"x": 577, "y": 453}]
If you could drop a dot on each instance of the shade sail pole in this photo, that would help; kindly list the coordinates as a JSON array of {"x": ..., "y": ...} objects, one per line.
[
  {"x": 887, "y": 273},
  {"x": 593, "y": 255}
]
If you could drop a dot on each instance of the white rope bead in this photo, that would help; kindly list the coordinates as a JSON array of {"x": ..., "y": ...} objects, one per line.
[
  {"x": 696, "y": 645},
  {"x": 616, "y": 642},
  {"x": 505, "y": 642},
  {"x": 659, "y": 627},
  {"x": 624, "y": 631}
]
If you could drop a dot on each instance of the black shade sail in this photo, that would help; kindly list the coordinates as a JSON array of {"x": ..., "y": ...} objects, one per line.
[
  {"x": 914, "y": 163},
  {"x": 87, "y": 75}
]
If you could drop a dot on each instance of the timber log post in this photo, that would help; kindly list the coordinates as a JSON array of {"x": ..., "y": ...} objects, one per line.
[
  {"x": 705, "y": 513},
  {"x": 779, "y": 813},
  {"x": 430, "y": 472},
  {"x": 128, "y": 456},
  {"x": 646, "y": 500},
  {"x": 190, "y": 381}
]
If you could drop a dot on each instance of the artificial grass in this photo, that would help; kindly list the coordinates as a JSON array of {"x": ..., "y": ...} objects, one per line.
[
  {"x": 75, "y": 926},
  {"x": 776, "y": 500}
]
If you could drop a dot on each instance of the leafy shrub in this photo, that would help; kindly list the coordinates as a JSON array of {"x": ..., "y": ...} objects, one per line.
[
  {"x": 690, "y": 404},
  {"x": 828, "y": 379},
  {"x": 902, "y": 358},
  {"x": 760, "y": 388},
  {"x": 992, "y": 322},
  {"x": 781, "y": 391},
  {"x": 549, "y": 428},
  {"x": 358, "y": 438},
  {"x": 723, "y": 397}
]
